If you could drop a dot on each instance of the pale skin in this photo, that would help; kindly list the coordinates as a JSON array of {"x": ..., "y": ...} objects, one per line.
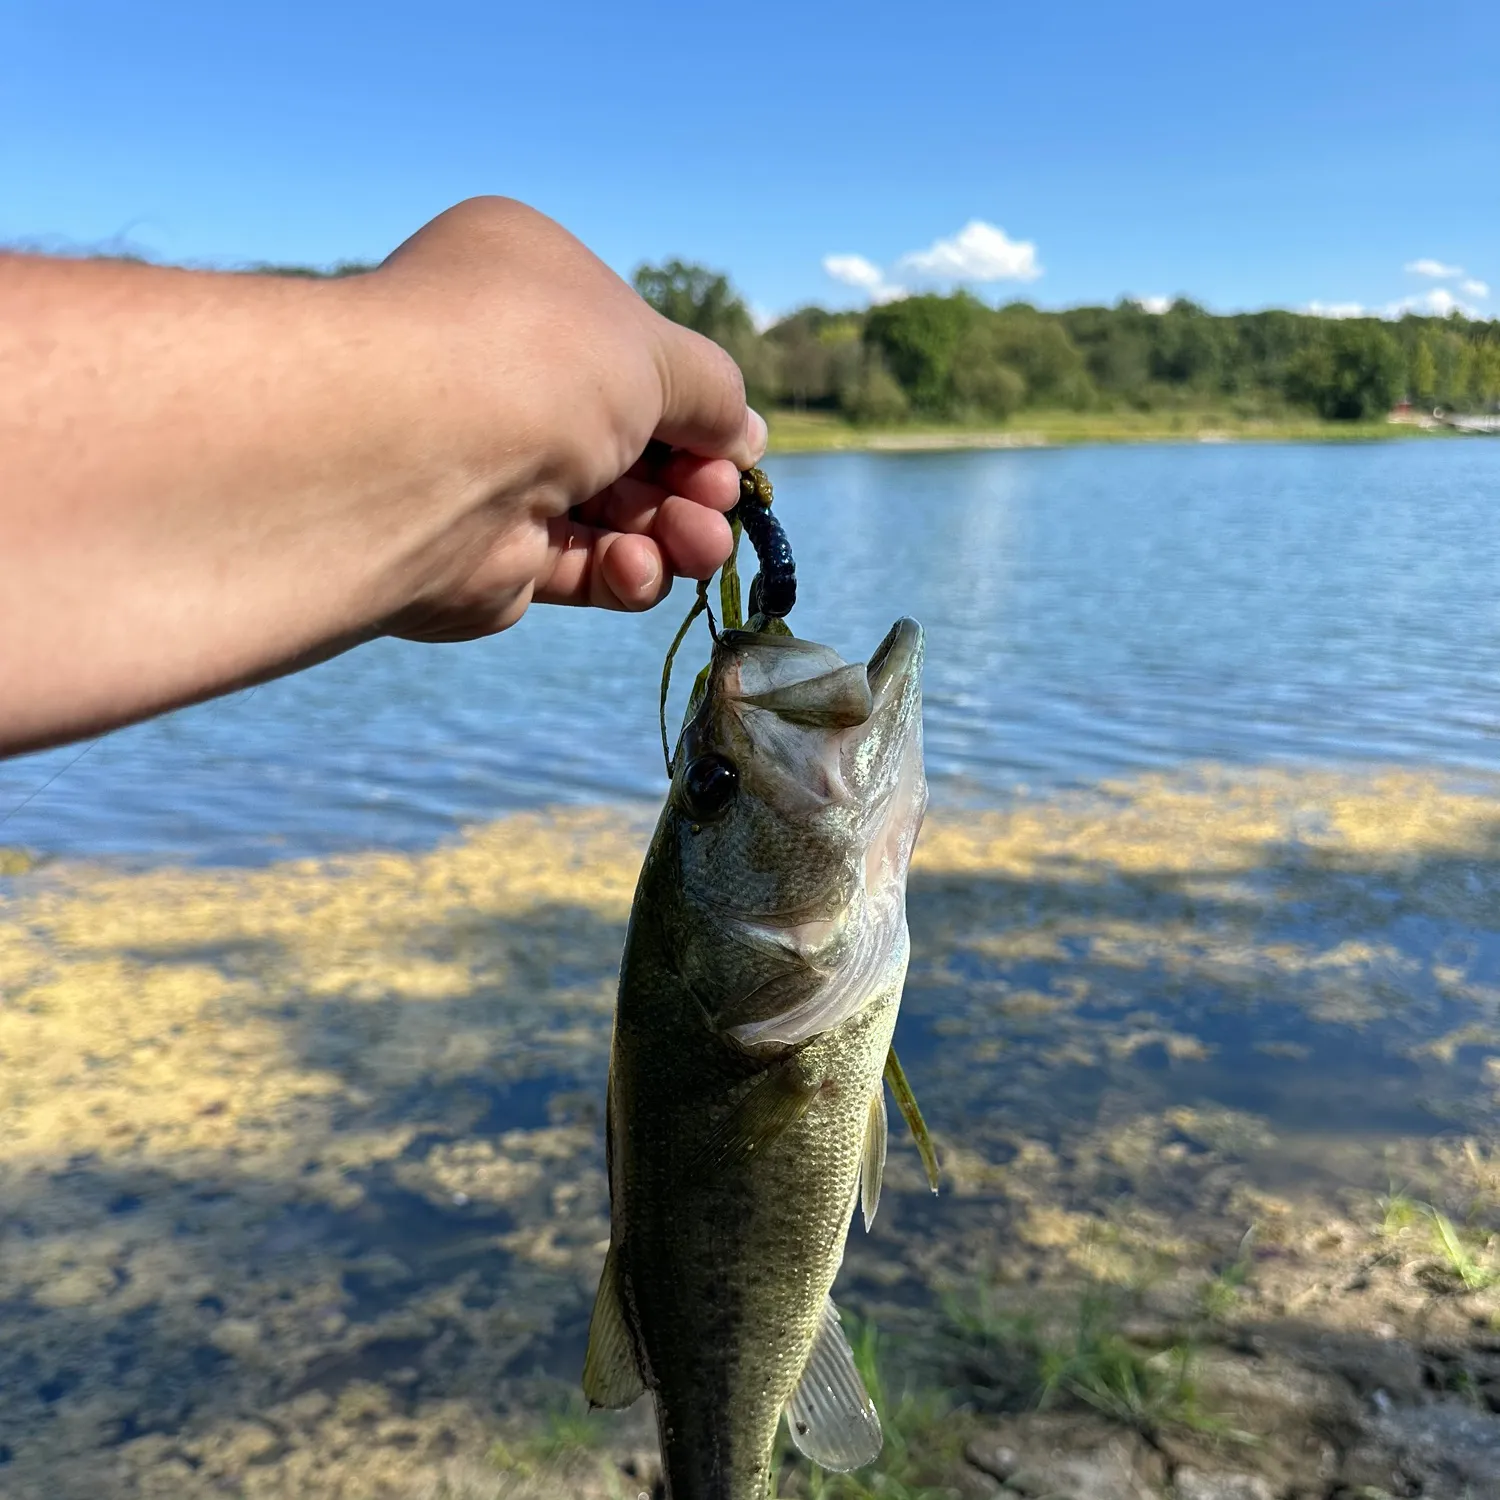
[{"x": 207, "y": 480}]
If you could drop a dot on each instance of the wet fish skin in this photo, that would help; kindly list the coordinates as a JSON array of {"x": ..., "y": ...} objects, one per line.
[{"x": 761, "y": 980}]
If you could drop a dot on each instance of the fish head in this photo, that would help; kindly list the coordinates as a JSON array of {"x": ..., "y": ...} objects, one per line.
[{"x": 796, "y": 798}]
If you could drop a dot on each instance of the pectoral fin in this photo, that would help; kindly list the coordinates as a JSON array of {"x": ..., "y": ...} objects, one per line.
[
  {"x": 906, "y": 1102},
  {"x": 872, "y": 1162},
  {"x": 831, "y": 1417},
  {"x": 611, "y": 1376},
  {"x": 776, "y": 1101}
]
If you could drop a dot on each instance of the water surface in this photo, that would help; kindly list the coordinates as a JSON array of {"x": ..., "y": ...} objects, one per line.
[{"x": 1091, "y": 612}]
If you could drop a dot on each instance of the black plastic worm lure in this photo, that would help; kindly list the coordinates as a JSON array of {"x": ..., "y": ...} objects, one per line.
[
  {"x": 772, "y": 593},
  {"x": 774, "y": 590}
]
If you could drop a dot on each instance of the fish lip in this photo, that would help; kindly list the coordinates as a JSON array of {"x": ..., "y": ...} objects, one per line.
[{"x": 895, "y": 659}]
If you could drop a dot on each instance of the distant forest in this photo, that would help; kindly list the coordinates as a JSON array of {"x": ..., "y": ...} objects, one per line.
[{"x": 955, "y": 358}]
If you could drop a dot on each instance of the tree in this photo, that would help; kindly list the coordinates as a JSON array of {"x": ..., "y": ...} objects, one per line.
[
  {"x": 875, "y": 397},
  {"x": 1485, "y": 380},
  {"x": 1037, "y": 347},
  {"x": 698, "y": 298},
  {"x": 707, "y": 302},
  {"x": 819, "y": 355},
  {"x": 980, "y": 381},
  {"x": 918, "y": 337},
  {"x": 1422, "y": 379},
  {"x": 1352, "y": 372}
]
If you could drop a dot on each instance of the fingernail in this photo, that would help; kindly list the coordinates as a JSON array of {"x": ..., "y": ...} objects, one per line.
[{"x": 756, "y": 434}]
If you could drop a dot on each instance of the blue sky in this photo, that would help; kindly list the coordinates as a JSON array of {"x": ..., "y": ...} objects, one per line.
[{"x": 1245, "y": 155}]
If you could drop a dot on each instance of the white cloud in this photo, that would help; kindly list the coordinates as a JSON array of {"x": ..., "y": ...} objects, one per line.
[
  {"x": 1434, "y": 268},
  {"x": 978, "y": 252},
  {"x": 856, "y": 271},
  {"x": 1339, "y": 310},
  {"x": 1155, "y": 304},
  {"x": 1437, "y": 303},
  {"x": 1473, "y": 287}
]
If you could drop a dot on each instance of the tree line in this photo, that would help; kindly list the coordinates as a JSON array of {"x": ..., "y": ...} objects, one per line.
[{"x": 955, "y": 357}]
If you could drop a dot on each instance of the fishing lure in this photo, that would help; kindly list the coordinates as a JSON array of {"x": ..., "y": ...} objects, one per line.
[{"x": 773, "y": 591}]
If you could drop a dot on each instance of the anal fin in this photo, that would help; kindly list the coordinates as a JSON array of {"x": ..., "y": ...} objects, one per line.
[
  {"x": 831, "y": 1417},
  {"x": 611, "y": 1376},
  {"x": 906, "y": 1102},
  {"x": 872, "y": 1161}
]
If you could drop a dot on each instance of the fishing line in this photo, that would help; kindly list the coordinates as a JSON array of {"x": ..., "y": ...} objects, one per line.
[
  {"x": 61, "y": 771},
  {"x": 235, "y": 698}
]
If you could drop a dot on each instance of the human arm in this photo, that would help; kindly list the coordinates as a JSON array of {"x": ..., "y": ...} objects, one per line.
[{"x": 208, "y": 479}]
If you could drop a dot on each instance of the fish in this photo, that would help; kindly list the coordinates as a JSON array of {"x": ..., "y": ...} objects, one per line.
[{"x": 745, "y": 1117}]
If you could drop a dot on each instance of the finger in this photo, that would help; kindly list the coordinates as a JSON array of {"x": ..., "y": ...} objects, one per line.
[
  {"x": 694, "y": 540},
  {"x": 703, "y": 399},
  {"x": 603, "y": 569},
  {"x": 714, "y": 482},
  {"x": 631, "y": 502},
  {"x": 710, "y": 481}
]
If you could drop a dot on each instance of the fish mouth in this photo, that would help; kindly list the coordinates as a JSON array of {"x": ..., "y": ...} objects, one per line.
[
  {"x": 804, "y": 683},
  {"x": 895, "y": 661}
]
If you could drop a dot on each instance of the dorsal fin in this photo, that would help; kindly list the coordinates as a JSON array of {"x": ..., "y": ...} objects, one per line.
[{"x": 831, "y": 1417}]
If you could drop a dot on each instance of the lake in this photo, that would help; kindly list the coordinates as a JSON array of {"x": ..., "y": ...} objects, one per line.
[
  {"x": 1090, "y": 612},
  {"x": 305, "y": 1014}
]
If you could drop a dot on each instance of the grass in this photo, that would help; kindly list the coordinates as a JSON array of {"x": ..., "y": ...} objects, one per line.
[
  {"x": 1474, "y": 1273},
  {"x": 1098, "y": 1367},
  {"x": 1088, "y": 1362},
  {"x": 1399, "y": 1211},
  {"x": 809, "y": 432},
  {"x": 1221, "y": 1294},
  {"x": 567, "y": 1431},
  {"x": 1459, "y": 1259}
]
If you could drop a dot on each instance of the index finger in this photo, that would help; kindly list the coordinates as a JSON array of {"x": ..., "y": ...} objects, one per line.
[{"x": 703, "y": 399}]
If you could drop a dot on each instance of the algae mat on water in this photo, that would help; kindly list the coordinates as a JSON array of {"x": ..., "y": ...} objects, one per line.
[{"x": 301, "y": 1168}]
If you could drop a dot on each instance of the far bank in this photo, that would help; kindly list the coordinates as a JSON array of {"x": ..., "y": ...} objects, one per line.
[{"x": 812, "y": 432}]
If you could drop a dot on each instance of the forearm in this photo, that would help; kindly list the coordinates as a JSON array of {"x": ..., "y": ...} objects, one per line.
[{"x": 205, "y": 479}]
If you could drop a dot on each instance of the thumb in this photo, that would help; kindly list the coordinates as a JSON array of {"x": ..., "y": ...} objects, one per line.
[{"x": 703, "y": 399}]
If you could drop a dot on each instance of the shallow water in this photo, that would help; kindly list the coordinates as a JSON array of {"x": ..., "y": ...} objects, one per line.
[
  {"x": 302, "y": 1166},
  {"x": 1091, "y": 612}
]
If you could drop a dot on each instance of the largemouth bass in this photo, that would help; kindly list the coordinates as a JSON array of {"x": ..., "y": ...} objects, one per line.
[{"x": 758, "y": 993}]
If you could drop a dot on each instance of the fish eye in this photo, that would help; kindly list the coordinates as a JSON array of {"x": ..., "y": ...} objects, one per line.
[{"x": 709, "y": 785}]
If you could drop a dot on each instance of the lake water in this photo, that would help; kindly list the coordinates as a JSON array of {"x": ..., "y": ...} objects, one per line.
[
  {"x": 1089, "y": 612},
  {"x": 302, "y": 1174}
]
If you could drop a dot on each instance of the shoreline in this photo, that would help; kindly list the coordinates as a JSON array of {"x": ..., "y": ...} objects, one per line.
[{"x": 809, "y": 432}]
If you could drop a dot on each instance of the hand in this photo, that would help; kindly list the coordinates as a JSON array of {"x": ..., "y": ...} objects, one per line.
[
  {"x": 638, "y": 427},
  {"x": 208, "y": 480}
]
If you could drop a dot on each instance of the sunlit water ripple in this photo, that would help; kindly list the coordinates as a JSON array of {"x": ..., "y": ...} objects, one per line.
[{"x": 1089, "y": 612}]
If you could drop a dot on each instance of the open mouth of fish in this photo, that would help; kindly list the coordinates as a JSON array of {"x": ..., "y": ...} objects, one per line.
[{"x": 843, "y": 696}]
